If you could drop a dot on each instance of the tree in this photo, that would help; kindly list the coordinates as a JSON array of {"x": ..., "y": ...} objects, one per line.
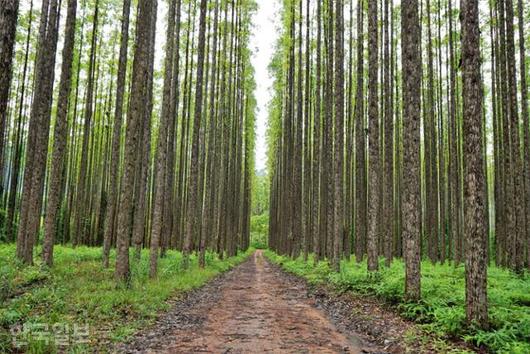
[
  {"x": 360, "y": 145},
  {"x": 474, "y": 185},
  {"x": 8, "y": 25},
  {"x": 18, "y": 140},
  {"x": 316, "y": 217},
  {"x": 37, "y": 146},
  {"x": 388, "y": 143},
  {"x": 60, "y": 135},
  {"x": 192, "y": 222},
  {"x": 526, "y": 123},
  {"x": 161, "y": 151},
  {"x": 139, "y": 97},
  {"x": 82, "y": 179},
  {"x": 339, "y": 135},
  {"x": 411, "y": 62},
  {"x": 116, "y": 134},
  {"x": 374, "y": 171}
]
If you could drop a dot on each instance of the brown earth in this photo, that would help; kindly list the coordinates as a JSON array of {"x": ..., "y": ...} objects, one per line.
[{"x": 254, "y": 308}]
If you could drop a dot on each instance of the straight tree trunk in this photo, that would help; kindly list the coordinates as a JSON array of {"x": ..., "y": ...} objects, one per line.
[
  {"x": 13, "y": 188},
  {"x": 83, "y": 177},
  {"x": 339, "y": 135},
  {"x": 474, "y": 187},
  {"x": 139, "y": 99},
  {"x": 517, "y": 257},
  {"x": 373, "y": 143},
  {"x": 144, "y": 153},
  {"x": 411, "y": 73},
  {"x": 316, "y": 217},
  {"x": 360, "y": 145},
  {"x": 110, "y": 215},
  {"x": 161, "y": 150},
  {"x": 191, "y": 221},
  {"x": 526, "y": 123},
  {"x": 60, "y": 136},
  {"x": 388, "y": 141},
  {"x": 37, "y": 146},
  {"x": 8, "y": 29}
]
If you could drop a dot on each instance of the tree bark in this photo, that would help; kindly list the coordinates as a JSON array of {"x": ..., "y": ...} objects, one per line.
[
  {"x": 474, "y": 190},
  {"x": 110, "y": 215},
  {"x": 60, "y": 136},
  {"x": 8, "y": 30},
  {"x": 411, "y": 73},
  {"x": 373, "y": 143},
  {"x": 139, "y": 98}
]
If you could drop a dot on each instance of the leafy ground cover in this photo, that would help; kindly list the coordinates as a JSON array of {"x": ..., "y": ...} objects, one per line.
[
  {"x": 441, "y": 310},
  {"x": 76, "y": 305}
]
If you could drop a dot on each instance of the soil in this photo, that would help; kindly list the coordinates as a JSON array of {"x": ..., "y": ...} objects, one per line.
[
  {"x": 254, "y": 308},
  {"x": 258, "y": 308}
]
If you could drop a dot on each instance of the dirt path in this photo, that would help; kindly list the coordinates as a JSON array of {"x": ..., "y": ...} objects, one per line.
[{"x": 255, "y": 308}]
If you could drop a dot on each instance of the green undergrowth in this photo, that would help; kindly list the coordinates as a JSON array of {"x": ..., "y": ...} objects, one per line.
[
  {"x": 49, "y": 310},
  {"x": 259, "y": 231},
  {"x": 442, "y": 308}
]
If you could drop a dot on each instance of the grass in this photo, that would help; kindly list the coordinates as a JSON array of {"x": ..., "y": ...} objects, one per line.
[
  {"x": 78, "y": 292},
  {"x": 442, "y": 308}
]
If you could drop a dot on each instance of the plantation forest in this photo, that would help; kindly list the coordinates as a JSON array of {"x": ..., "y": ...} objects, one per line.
[{"x": 250, "y": 176}]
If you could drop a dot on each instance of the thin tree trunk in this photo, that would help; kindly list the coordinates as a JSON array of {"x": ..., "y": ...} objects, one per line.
[
  {"x": 191, "y": 221},
  {"x": 60, "y": 136},
  {"x": 373, "y": 143},
  {"x": 8, "y": 29},
  {"x": 411, "y": 73},
  {"x": 110, "y": 215}
]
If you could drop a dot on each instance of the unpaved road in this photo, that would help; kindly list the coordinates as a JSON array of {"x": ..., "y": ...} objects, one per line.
[{"x": 255, "y": 308}]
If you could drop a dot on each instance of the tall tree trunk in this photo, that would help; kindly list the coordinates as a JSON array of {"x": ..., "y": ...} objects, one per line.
[
  {"x": 316, "y": 217},
  {"x": 60, "y": 135},
  {"x": 18, "y": 143},
  {"x": 411, "y": 73},
  {"x": 139, "y": 99},
  {"x": 8, "y": 29},
  {"x": 526, "y": 124},
  {"x": 339, "y": 135},
  {"x": 373, "y": 143},
  {"x": 83, "y": 177},
  {"x": 161, "y": 150},
  {"x": 474, "y": 190},
  {"x": 360, "y": 144},
  {"x": 110, "y": 215},
  {"x": 388, "y": 143},
  {"x": 517, "y": 170},
  {"x": 191, "y": 221},
  {"x": 37, "y": 146}
]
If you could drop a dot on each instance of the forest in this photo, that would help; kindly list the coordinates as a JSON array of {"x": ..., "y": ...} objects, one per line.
[{"x": 389, "y": 212}]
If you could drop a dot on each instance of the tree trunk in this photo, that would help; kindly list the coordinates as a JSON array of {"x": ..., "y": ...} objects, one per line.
[
  {"x": 474, "y": 190},
  {"x": 139, "y": 99},
  {"x": 191, "y": 221},
  {"x": 411, "y": 73},
  {"x": 373, "y": 143},
  {"x": 110, "y": 215},
  {"x": 60, "y": 136},
  {"x": 8, "y": 30}
]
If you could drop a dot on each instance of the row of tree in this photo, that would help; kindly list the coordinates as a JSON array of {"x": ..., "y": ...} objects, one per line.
[
  {"x": 138, "y": 156},
  {"x": 383, "y": 143}
]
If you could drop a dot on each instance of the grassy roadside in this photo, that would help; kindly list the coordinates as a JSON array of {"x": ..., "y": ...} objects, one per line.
[
  {"x": 441, "y": 310},
  {"x": 47, "y": 308}
]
